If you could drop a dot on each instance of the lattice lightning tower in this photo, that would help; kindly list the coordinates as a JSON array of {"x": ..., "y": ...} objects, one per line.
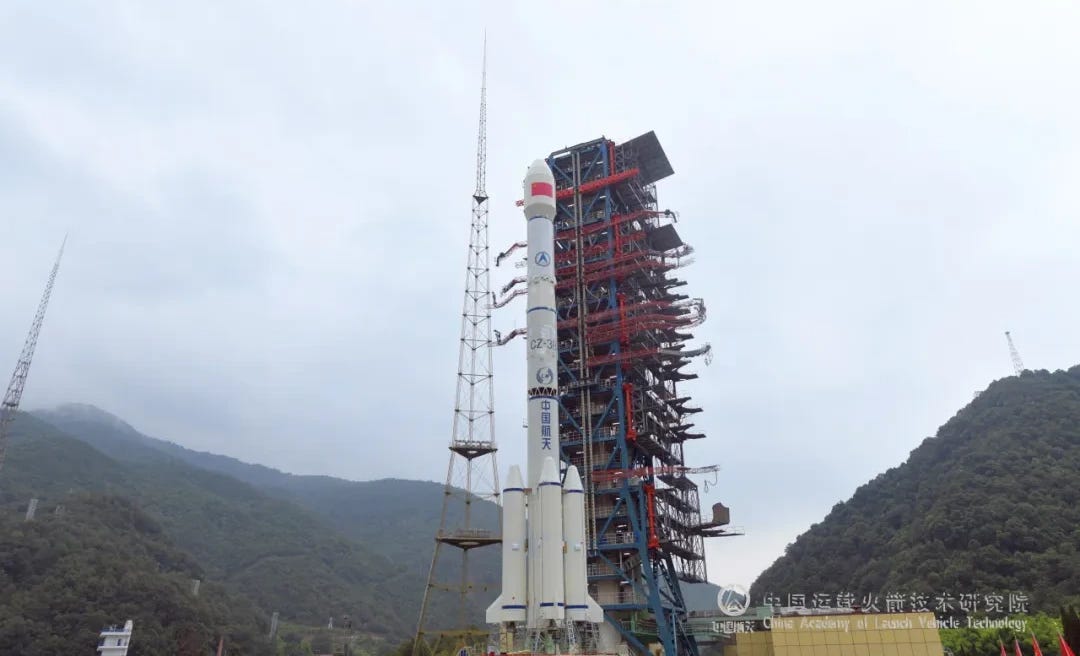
[
  {"x": 15, "y": 388},
  {"x": 473, "y": 472},
  {"x": 1017, "y": 363}
]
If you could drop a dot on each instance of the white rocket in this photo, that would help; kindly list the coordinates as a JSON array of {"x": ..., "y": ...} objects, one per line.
[{"x": 544, "y": 581}]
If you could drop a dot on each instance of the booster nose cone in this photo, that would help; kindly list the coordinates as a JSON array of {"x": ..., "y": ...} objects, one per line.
[
  {"x": 539, "y": 188},
  {"x": 549, "y": 473},
  {"x": 573, "y": 480},
  {"x": 513, "y": 480}
]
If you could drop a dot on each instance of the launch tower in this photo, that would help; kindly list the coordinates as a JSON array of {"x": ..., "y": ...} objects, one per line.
[{"x": 623, "y": 333}]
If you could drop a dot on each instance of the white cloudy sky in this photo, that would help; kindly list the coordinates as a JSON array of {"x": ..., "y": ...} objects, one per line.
[{"x": 268, "y": 204}]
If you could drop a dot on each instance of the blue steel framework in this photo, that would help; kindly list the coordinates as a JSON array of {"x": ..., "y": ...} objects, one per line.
[{"x": 621, "y": 349}]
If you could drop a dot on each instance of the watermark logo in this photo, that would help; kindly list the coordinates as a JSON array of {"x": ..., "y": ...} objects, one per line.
[
  {"x": 733, "y": 600},
  {"x": 942, "y": 603}
]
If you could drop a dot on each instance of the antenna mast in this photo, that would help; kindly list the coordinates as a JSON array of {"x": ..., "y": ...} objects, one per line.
[
  {"x": 473, "y": 471},
  {"x": 15, "y": 388},
  {"x": 1017, "y": 363},
  {"x": 480, "y": 195}
]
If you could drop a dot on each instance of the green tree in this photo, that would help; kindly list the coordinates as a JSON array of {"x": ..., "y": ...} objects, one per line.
[
  {"x": 986, "y": 642},
  {"x": 65, "y": 577}
]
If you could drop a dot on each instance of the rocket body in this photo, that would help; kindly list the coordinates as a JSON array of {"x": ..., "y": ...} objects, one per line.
[
  {"x": 580, "y": 607},
  {"x": 512, "y": 604},
  {"x": 542, "y": 356},
  {"x": 549, "y": 574},
  {"x": 547, "y": 561},
  {"x": 541, "y": 385}
]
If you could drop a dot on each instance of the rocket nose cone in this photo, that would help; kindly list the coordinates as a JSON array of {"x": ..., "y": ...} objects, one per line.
[
  {"x": 539, "y": 191},
  {"x": 513, "y": 479},
  {"x": 539, "y": 171},
  {"x": 573, "y": 480},
  {"x": 539, "y": 166},
  {"x": 549, "y": 473}
]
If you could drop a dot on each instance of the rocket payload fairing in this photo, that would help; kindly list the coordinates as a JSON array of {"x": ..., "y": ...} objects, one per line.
[{"x": 544, "y": 578}]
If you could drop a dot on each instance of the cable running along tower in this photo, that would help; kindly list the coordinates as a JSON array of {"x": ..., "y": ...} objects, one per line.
[
  {"x": 473, "y": 471},
  {"x": 22, "y": 368}
]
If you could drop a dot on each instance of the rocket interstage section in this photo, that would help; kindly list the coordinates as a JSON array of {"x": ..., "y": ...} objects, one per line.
[{"x": 544, "y": 575}]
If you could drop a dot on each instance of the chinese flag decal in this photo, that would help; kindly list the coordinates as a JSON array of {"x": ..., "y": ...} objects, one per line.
[{"x": 542, "y": 189}]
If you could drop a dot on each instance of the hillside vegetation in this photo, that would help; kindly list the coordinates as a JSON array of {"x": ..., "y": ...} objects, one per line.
[
  {"x": 989, "y": 505},
  {"x": 308, "y": 547},
  {"x": 365, "y": 510},
  {"x": 273, "y": 552},
  {"x": 103, "y": 561},
  {"x": 390, "y": 517}
]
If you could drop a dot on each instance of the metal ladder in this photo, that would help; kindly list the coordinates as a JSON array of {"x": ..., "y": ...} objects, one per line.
[{"x": 571, "y": 638}]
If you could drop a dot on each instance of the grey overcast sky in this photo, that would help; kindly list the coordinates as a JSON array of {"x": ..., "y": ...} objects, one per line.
[{"x": 268, "y": 206}]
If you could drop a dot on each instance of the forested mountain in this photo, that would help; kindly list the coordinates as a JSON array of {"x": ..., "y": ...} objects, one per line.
[
  {"x": 309, "y": 547},
  {"x": 989, "y": 505},
  {"x": 103, "y": 561},
  {"x": 393, "y": 517},
  {"x": 277, "y": 554},
  {"x": 390, "y": 517}
]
